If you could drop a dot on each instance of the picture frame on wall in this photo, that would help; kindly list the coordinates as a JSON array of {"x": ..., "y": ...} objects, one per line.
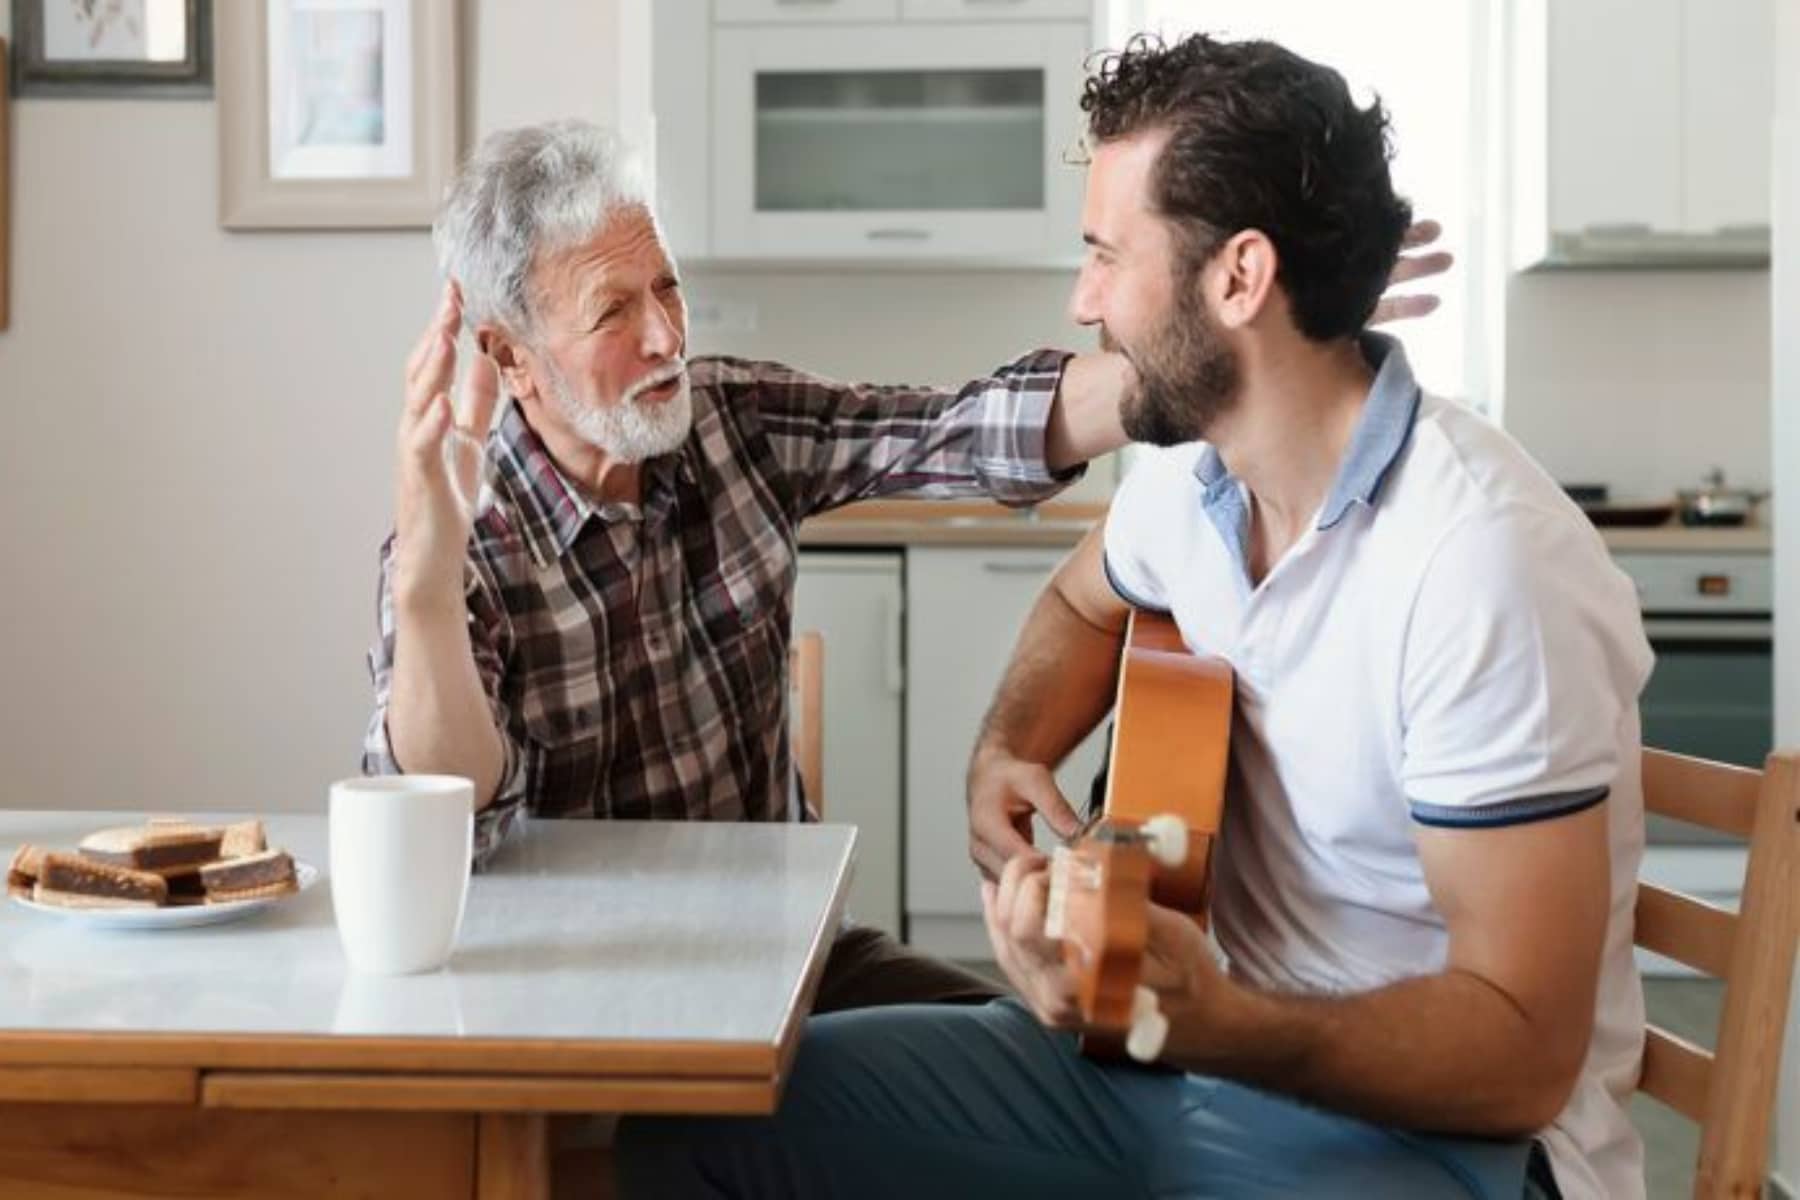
[
  {"x": 335, "y": 113},
  {"x": 5, "y": 190},
  {"x": 118, "y": 48}
]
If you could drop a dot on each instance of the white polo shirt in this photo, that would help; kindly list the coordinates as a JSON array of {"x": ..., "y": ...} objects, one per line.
[{"x": 1449, "y": 645}]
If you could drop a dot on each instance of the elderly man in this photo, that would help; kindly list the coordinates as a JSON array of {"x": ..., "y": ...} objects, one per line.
[{"x": 604, "y": 633}]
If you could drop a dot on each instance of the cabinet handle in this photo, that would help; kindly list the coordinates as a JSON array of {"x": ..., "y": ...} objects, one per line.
[
  {"x": 990, "y": 3},
  {"x": 899, "y": 235},
  {"x": 804, "y": 3},
  {"x": 893, "y": 666},
  {"x": 1018, "y": 568}
]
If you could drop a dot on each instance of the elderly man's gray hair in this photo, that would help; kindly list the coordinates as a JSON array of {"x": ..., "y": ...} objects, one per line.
[{"x": 525, "y": 193}]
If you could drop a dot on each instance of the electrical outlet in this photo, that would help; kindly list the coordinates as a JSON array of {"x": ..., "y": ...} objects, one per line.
[{"x": 722, "y": 316}]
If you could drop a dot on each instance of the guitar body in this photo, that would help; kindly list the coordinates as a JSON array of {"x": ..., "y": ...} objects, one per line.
[{"x": 1171, "y": 740}]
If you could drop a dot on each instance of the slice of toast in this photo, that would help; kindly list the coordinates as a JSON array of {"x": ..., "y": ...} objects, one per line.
[
  {"x": 163, "y": 846},
  {"x": 22, "y": 874},
  {"x": 61, "y": 899},
  {"x": 285, "y": 887},
  {"x": 94, "y": 884},
  {"x": 243, "y": 838},
  {"x": 249, "y": 877}
]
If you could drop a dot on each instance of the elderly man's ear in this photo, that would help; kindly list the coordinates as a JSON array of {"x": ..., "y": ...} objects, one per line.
[{"x": 508, "y": 358}]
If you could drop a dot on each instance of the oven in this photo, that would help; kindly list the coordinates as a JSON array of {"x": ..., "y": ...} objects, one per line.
[{"x": 1709, "y": 617}]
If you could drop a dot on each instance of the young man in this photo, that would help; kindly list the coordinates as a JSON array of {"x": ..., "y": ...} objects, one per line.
[{"x": 1424, "y": 887}]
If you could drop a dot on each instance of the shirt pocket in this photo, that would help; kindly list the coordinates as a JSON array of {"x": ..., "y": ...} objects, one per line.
[
  {"x": 558, "y": 718},
  {"x": 748, "y": 589}
]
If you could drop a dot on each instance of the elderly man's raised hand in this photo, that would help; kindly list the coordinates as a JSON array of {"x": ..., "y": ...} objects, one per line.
[{"x": 438, "y": 463}]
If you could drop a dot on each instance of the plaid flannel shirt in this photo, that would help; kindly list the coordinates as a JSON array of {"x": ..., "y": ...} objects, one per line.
[{"x": 635, "y": 655}]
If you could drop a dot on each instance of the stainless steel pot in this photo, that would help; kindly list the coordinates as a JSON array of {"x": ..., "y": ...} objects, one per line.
[{"x": 1716, "y": 504}]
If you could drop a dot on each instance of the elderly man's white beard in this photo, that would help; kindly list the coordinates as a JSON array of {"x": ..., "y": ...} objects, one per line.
[{"x": 629, "y": 430}]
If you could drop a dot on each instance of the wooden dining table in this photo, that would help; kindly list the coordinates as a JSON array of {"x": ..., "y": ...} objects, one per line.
[{"x": 602, "y": 967}]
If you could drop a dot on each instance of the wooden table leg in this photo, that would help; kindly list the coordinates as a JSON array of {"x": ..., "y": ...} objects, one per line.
[
  {"x": 121, "y": 1151},
  {"x": 512, "y": 1156}
]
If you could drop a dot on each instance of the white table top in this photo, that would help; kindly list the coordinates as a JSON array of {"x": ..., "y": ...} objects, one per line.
[{"x": 586, "y": 934}]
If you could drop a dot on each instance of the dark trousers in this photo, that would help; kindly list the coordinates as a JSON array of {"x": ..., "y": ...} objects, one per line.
[{"x": 869, "y": 969}]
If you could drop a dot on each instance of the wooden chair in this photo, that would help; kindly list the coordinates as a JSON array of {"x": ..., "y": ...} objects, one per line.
[
  {"x": 1729, "y": 1093},
  {"x": 806, "y": 716}
]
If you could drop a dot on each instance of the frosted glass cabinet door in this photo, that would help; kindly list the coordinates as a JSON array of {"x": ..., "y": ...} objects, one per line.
[{"x": 900, "y": 142}]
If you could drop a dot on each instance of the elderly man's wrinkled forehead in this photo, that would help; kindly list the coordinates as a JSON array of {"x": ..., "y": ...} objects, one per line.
[{"x": 623, "y": 254}]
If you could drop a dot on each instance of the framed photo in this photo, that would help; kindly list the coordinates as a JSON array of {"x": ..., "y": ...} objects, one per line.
[
  {"x": 5, "y": 193},
  {"x": 112, "y": 47},
  {"x": 335, "y": 113}
]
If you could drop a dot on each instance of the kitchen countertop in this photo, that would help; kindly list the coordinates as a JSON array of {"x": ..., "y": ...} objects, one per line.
[
  {"x": 950, "y": 523},
  {"x": 980, "y": 523}
]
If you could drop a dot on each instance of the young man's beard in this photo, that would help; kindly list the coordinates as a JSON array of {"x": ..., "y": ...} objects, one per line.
[{"x": 1187, "y": 377}]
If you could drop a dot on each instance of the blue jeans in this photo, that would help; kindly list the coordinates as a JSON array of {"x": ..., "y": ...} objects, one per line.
[{"x": 936, "y": 1102}]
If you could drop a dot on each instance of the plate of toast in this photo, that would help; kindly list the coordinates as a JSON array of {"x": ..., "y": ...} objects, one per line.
[{"x": 168, "y": 873}]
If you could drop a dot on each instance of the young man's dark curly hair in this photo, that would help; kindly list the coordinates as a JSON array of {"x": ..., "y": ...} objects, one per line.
[{"x": 1261, "y": 138}]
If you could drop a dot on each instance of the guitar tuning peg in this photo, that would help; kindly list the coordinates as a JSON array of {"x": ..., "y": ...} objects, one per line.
[
  {"x": 1056, "y": 910},
  {"x": 1166, "y": 837},
  {"x": 1149, "y": 1028}
]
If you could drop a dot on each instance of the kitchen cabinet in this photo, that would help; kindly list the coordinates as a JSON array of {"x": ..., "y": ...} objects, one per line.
[
  {"x": 964, "y": 608},
  {"x": 1641, "y": 132},
  {"x": 937, "y": 137},
  {"x": 994, "y": 10},
  {"x": 855, "y": 601},
  {"x": 809, "y": 11},
  {"x": 1728, "y": 113}
]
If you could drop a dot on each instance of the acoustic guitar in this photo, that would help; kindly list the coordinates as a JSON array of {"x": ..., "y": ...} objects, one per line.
[{"x": 1152, "y": 840}]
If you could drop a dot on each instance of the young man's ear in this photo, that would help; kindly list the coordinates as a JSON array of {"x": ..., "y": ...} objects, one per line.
[
  {"x": 509, "y": 360},
  {"x": 1243, "y": 273}
]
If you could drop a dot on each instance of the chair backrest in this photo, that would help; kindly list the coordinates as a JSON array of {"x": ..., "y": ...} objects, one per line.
[
  {"x": 1730, "y": 1093},
  {"x": 806, "y": 716}
]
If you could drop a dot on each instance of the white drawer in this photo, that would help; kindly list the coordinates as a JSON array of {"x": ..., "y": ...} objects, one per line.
[
  {"x": 1701, "y": 583},
  {"x": 759, "y": 12},
  {"x": 995, "y": 10}
]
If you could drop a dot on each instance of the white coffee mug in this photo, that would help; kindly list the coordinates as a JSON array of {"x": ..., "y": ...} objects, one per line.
[{"x": 400, "y": 847}]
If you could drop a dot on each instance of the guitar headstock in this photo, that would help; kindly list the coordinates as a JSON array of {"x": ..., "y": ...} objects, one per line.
[{"x": 1099, "y": 906}]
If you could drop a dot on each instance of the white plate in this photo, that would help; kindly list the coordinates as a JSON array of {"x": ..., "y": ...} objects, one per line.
[{"x": 182, "y": 916}]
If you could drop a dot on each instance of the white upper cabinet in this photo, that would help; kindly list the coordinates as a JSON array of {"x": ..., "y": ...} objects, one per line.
[
  {"x": 1641, "y": 131},
  {"x": 784, "y": 11},
  {"x": 1729, "y": 83},
  {"x": 1615, "y": 113},
  {"x": 995, "y": 10},
  {"x": 929, "y": 138}
]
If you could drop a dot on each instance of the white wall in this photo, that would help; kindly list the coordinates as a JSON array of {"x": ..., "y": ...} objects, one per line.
[
  {"x": 938, "y": 326},
  {"x": 1643, "y": 380},
  {"x": 902, "y": 326},
  {"x": 1786, "y": 463},
  {"x": 195, "y": 474}
]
